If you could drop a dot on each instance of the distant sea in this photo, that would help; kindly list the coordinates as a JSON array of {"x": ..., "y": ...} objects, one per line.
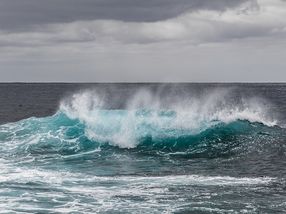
[{"x": 142, "y": 148}]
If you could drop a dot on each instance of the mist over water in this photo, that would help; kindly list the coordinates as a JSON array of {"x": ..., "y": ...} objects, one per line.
[
  {"x": 154, "y": 149},
  {"x": 150, "y": 114}
]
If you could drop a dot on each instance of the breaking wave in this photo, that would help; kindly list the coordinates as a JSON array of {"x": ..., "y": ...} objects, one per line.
[
  {"x": 201, "y": 126},
  {"x": 164, "y": 151}
]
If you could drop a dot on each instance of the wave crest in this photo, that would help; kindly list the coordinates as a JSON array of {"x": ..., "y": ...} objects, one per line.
[{"x": 150, "y": 116}]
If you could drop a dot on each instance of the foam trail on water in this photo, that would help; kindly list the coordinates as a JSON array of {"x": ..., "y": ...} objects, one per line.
[
  {"x": 190, "y": 149},
  {"x": 148, "y": 114}
]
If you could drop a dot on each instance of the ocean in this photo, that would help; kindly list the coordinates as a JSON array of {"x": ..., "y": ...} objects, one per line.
[{"x": 143, "y": 148}]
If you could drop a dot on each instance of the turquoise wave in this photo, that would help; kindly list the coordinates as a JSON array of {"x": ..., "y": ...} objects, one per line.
[{"x": 139, "y": 132}]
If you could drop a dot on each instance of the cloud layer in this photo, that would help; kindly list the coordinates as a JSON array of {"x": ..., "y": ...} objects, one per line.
[
  {"x": 20, "y": 14},
  {"x": 98, "y": 31},
  {"x": 249, "y": 19}
]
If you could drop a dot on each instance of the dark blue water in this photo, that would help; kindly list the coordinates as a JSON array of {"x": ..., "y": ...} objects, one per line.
[{"x": 143, "y": 148}]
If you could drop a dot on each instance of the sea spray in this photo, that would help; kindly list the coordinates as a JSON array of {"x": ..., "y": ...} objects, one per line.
[
  {"x": 156, "y": 117},
  {"x": 165, "y": 150}
]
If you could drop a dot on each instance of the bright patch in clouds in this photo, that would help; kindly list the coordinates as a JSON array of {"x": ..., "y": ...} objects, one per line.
[
  {"x": 202, "y": 26},
  {"x": 251, "y": 24}
]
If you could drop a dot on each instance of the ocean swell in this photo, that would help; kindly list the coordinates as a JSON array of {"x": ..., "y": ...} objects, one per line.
[
  {"x": 205, "y": 127},
  {"x": 149, "y": 117}
]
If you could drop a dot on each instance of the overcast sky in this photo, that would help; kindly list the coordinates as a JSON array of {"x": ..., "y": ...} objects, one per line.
[{"x": 143, "y": 40}]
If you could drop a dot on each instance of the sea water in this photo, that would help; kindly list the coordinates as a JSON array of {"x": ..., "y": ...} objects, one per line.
[{"x": 146, "y": 148}]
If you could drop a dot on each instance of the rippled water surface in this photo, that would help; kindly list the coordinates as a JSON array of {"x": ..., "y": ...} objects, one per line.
[{"x": 121, "y": 148}]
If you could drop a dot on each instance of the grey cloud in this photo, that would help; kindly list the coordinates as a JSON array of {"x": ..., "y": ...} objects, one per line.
[
  {"x": 204, "y": 26},
  {"x": 142, "y": 40},
  {"x": 23, "y": 14}
]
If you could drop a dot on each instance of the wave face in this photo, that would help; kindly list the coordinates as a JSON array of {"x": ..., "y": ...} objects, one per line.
[
  {"x": 96, "y": 158},
  {"x": 144, "y": 130},
  {"x": 146, "y": 123},
  {"x": 147, "y": 117}
]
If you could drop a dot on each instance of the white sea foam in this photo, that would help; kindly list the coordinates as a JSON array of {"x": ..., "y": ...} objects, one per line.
[
  {"x": 111, "y": 193},
  {"x": 185, "y": 115},
  {"x": 12, "y": 173},
  {"x": 84, "y": 192}
]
